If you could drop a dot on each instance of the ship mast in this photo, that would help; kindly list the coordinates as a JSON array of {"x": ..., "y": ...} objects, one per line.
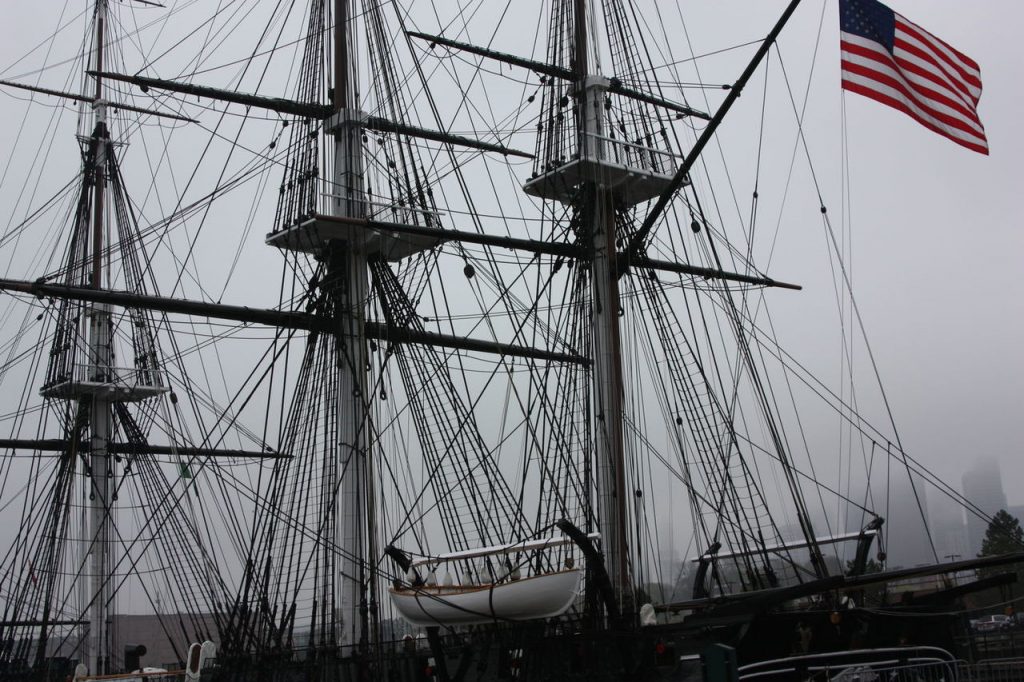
[
  {"x": 101, "y": 463},
  {"x": 83, "y": 371},
  {"x": 597, "y": 209},
  {"x": 349, "y": 284}
]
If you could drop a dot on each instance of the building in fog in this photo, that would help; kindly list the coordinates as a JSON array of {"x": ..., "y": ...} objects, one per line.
[
  {"x": 983, "y": 486},
  {"x": 907, "y": 524},
  {"x": 908, "y": 529},
  {"x": 155, "y": 633},
  {"x": 948, "y": 527}
]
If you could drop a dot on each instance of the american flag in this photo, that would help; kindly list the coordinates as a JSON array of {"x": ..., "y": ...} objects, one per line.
[{"x": 889, "y": 59}]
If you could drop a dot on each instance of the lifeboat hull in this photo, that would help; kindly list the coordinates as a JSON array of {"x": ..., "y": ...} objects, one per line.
[{"x": 542, "y": 596}]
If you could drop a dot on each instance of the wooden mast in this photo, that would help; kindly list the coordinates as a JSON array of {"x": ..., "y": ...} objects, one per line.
[
  {"x": 598, "y": 216},
  {"x": 101, "y": 418},
  {"x": 349, "y": 285}
]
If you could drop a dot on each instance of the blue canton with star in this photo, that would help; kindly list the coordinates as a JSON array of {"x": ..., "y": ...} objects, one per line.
[{"x": 868, "y": 19}]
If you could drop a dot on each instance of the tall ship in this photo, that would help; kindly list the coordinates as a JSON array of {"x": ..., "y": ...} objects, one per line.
[{"x": 430, "y": 341}]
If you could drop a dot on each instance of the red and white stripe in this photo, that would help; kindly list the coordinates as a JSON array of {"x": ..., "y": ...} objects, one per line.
[{"x": 924, "y": 77}]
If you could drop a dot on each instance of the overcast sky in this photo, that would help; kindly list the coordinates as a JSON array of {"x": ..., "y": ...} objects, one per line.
[
  {"x": 937, "y": 231},
  {"x": 939, "y": 243}
]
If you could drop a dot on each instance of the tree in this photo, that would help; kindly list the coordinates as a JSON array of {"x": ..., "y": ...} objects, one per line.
[
  {"x": 871, "y": 566},
  {"x": 873, "y": 595},
  {"x": 1004, "y": 535}
]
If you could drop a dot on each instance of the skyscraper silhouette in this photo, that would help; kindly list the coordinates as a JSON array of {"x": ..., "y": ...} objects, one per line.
[{"x": 983, "y": 486}]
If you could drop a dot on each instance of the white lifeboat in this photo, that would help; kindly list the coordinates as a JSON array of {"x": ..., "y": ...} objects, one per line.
[
  {"x": 544, "y": 595},
  {"x": 540, "y": 596}
]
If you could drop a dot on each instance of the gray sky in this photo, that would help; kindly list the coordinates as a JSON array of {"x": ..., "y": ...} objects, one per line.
[
  {"x": 936, "y": 230},
  {"x": 939, "y": 247}
]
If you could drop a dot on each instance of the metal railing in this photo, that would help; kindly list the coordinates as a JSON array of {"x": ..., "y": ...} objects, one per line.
[
  {"x": 993, "y": 670},
  {"x": 909, "y": 664},
  {"x": 390, "y": 211},
  {"x": 630, "y": 154},
  {"x": 396, "y": 213},
  {"x": 126, "y": 377}
]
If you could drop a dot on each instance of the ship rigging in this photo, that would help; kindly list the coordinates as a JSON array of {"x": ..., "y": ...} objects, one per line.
[{"x": 504, "y": 326}]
